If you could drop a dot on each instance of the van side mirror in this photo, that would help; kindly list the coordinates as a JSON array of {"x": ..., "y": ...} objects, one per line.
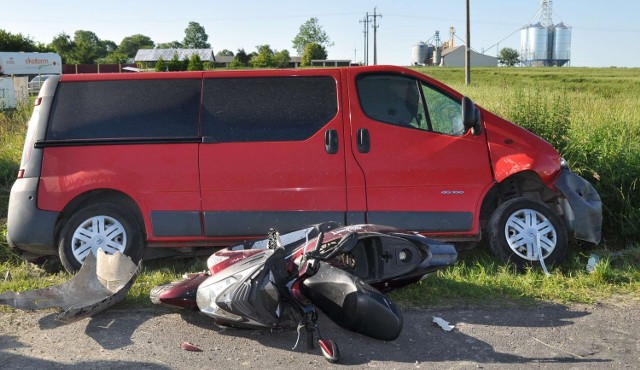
[{"x": 471, "y": 116}]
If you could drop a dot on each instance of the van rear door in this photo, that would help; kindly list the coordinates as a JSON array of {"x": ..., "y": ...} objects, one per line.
[
  {"x": 271, "y": 154},
  {"x": 422, "y": 170}
]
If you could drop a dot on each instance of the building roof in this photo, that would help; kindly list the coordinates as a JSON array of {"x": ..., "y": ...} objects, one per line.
[
  {"x": 153, "y": 55},
  {"x": 451, "y": 50},
  {"x": 462, "y": 48}
]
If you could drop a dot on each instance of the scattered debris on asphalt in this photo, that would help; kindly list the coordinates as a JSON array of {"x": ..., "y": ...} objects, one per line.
[
  {"x": 443, "y": 324},
  {"x": 190, "y": 347}
]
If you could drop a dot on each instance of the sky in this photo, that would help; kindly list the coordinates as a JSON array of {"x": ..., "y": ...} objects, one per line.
[{"x": 604, "y": 33}]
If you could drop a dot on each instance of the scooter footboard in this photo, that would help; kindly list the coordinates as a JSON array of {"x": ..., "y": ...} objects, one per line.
[{"x": 352, "y": 303}]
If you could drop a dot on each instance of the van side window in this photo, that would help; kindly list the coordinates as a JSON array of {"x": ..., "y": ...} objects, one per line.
[
  {"x": 267, "y": 108},
  {"x": 401, "y": 100},
  {"x": 392, "y": 99},
  {"x": 125, "y": 109},
  {"x": 445, "y": 113}
]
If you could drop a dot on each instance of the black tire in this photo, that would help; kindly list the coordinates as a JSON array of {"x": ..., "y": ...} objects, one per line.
[
  {"x": 514, "y": 228},
  {"x": 101, "y": 225}
]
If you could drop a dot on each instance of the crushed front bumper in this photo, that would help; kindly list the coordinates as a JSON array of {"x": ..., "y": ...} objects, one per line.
[{"x": 584, "y": 218}]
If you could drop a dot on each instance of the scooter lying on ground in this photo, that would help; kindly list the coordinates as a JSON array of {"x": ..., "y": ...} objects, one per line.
[{"x": 277, "y": 282}]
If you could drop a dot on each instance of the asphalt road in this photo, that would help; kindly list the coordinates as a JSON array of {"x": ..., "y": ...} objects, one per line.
[{"x": 548, "y": 336}]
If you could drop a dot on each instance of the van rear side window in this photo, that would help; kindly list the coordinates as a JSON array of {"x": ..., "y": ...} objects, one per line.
[
  {"x": 267, "y": 108},
  {"x": 125, "y": 110}
]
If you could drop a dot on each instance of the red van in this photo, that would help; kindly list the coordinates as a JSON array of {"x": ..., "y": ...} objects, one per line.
[{"x": 124, "y": 161}]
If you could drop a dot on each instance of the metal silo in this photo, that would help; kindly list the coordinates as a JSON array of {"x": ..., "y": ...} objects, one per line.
[
  {"x": 437, "y": 56},
  {"x": 419, "y": 54},
  {"x": 524, "y": 44},
  {"x": 538, "y": 41},
  {"x": 561, "y": 52}
]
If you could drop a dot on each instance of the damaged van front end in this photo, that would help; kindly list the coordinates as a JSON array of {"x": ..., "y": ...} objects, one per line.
[{"x": 537, "y": 204}]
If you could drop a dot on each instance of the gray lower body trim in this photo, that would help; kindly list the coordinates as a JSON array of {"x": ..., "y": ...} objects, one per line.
[
  {"x": 356, "y": 218},
  {"x": 29, "y": 228},
  {"x": 251, "y": 223},
  {"x": 257, "y": 223},
  {"x": 423, "y": 221},
  {"x": 176, "y": 223},
  {"x": 586, "y": 206}
]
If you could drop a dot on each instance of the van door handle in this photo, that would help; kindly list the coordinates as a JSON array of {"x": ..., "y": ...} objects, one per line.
[
  {"x": 364, "y": 141},
  {"x": 331, "y": 141}
]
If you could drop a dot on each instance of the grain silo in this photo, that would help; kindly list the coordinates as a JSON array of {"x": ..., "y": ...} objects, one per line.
[
  {"x": 561, "y": 53},
  {"x": 543, "y": 43},
  {"x": 427, "y": 53},
  {"x": 537, "y": 45},
  {"x": 524, "y": 43},
  {"x": 420, "y": 54}
]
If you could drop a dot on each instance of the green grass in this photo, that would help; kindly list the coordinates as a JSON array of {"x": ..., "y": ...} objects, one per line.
[
  {"x": 591, "y": 115},
  {"x": 478, "y": 278}
]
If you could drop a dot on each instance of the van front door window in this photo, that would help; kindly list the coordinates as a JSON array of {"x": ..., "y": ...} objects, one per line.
[
  {"x": 445, "y": 113},
  {"x": 404, "y": 101}
]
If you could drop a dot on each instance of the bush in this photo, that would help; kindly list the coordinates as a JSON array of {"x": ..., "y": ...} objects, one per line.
[{"x": 13, "y": 126}]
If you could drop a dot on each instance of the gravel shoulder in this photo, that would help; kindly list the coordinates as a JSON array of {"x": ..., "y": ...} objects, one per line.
[{"x": 544, "y": 336}]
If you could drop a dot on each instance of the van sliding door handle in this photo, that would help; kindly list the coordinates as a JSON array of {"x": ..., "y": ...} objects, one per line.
[
  {"x": 364, "y": 141},
  {"x": 331, "y": 141}
]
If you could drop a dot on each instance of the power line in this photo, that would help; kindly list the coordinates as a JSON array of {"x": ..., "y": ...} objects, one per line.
[
  {"x": 371, "y": 19},
  {"x": 365, "y": 21},
  {"x": 498, "y": 43},
  {"x": 375, "y": 41}
]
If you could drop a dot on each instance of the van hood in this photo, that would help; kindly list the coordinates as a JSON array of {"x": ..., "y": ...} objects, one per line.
[{"x": 513, "y": 149}]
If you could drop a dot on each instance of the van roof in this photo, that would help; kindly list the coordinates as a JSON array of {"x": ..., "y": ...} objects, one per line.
[{"x": 227, "y": 73}]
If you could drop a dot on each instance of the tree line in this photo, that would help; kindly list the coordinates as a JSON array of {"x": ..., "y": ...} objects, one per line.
[{"x": 85, "y": 47}]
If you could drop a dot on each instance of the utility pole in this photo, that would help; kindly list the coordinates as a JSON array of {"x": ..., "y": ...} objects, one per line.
[
  {"x": 375, "y": 42},
  {"x": 366, "y": 38},
  {"x": 467, "y": 57}
]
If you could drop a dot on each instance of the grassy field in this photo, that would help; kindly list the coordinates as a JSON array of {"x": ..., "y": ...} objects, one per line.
[{"x": 591, "y": 115}]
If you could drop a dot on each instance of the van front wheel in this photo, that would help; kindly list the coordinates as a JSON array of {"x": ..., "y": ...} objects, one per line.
[
  {"x": 104, "y": 226},
  {"x": 520, "y": 229}
]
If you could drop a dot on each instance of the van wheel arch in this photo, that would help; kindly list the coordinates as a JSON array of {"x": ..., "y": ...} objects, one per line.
[
  {"x": 116, "y": 204},
  {"x": 526, "y": 184}
]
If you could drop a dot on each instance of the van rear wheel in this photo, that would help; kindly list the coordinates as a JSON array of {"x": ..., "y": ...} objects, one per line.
[
  {"x": 102, "y": 225},
  {"x": 521, "y": 227}
]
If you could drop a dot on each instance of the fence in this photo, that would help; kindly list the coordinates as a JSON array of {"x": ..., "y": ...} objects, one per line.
[{"x": 95, "y": 68}]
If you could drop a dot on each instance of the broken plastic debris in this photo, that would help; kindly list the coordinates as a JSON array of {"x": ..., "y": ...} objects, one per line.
[
  {"x": 540, "y": 258},
  {"x": 101, "y": 282},
  {"x": 443, "y": 324},
  {"x": 190, "y": 347},
  {"x": 593, "y": 262}
]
